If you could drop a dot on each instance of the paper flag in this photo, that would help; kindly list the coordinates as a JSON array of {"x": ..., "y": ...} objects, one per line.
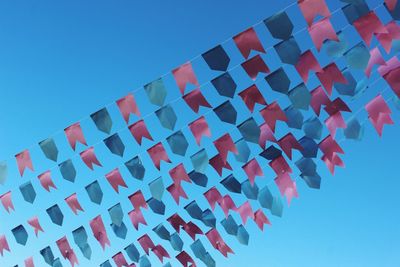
[
  {"x": 95, "y": 193},
  {"x": 167, "y": 117},
  {"x": 379, "y": 113},
  {"x": 288, "y": 51},
  {"x": 250, "y": 130},
  {"x": 178, "y": 143},
  {"x": 226, "y": 112},
  {"x": 243, "y": 149},
  {"x": 66, "y": 251},
  {"x": 115, "y": 179},
  {"x": 312, "y": 8},
  {"x": 157, "y": 153},
  {"x": 28, "y": 192},
  {"x": 24, "y": 161},
  {"x": 20, "y": 235},
  {"x": 89, "y": 158},
  {"x": 331, "y": 75},
  {"x": 249, "y": 190},
  {"x": 279, "y": 25},
  {"x": 294, "y": 117},
  {"x": 127, "y": 106},
  {"x": 357, "y": 57},
  {"x": 279, "y": 81},
  {"x": 55, "y": 215},
  {"x": 247, "y": 41},
  {"x": 6, "y": 201},
  {"x": 199, "y": 129},
  {"x": 225, "y": 85},
  {"x": 139, "y": 130},
  {"x": 300, "y": 97},
  {"x": 216, "y": 58},
  {"x": 49, "y": 149},
  {"x": 252, "y": 169},
  {"x": 136, "y": 168},
  {"x": 321, "y": 31},
  {"x": 102, "y": 120},
  {"x": 99, "y": 231},
  {"x": 73, "y": 203},
  {"x": 156, "y": 92},
  {"x": 46, "y": 181},
  {"x": 369, "y": 25},
  {"x": 183, "y": 75},
  {"x": 307, "y": 62},
  {"x": 74, "y": 134},
  {"x": 115, "y": 145},
  {"x": 195, "y": 99},
  {"x": 251, "y": 96},
  {"x": 254, "y": 66},
  {"x": 67, "y": 170}
]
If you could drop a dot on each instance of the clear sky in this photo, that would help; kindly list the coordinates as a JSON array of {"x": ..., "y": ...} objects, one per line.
[{"x": 62, "y": 60}]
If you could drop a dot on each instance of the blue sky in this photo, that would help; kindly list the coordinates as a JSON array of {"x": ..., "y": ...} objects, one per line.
[{"x": 59, "y": 62}]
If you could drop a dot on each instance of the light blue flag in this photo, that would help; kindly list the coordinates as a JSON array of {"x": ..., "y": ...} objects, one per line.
[
  {"x": 266, "y": 198},
  {"x": 208, "y": 218},
  {"x": 300, "y": 97},
  {"x": 28, "y": 192},
  {"x": 277, "y": 207},
  {"x": 200, "y": 161},
  {"x": 250, "y": 130},
  {"x": 157, "y": 188},
  {"x": 80, "y": 238},
  {"x": 156, "y": 92},
  {"x": 295, "y": 117},
  {"x": 354, "y": 130},
  {"x": 306, "y": 166},
  {"x": 67, "y": 170},
  {"x": 132, "y": 252},
  {"x": 102, "y": 120},
  {"x": 55, "y": 214},
  {"x": 144, "y": 261},
  {"x": 167, "y": 117},
  {"x": 312, "y": 128},
  {"x": 49, "y": 149},
  {"x": 20, "y": 235},
  {"x": 3, "y": 172},
  {"x": 106, "y": 264},
  {"x": 334, "y": 48},
  {"x": 95, "y": 193},
  {"x": 136, "y": 168},
  {"x": 358, "y": 56},
  {"x": 312, "y": 181},
  {"x": 176, "y": 242},
  {"x": 178, "y": 143},
  {"x": 230, "y": 225},
  {"x": 243, "y": 149},
  {"x": 116, "y": 214},
  {"x": 119, "y": 231},
  {"x": 242, "y": 235}
]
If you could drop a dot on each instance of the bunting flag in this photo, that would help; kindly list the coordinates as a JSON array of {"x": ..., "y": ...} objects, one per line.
[{"x": 220, "y": 140}]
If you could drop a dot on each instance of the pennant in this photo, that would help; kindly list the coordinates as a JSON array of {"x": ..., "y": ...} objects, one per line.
[
  {"x": 266, "y": 134},
  {"x": 213, "y": 196},
  {"x": 226, "y": 112},
  {"x": 226, "y": 203},
  {"x": 387, "y": 39},
  {"x": 391, "y": 4},
  {"x": 251, "y": 96},
  {"x": 176, "y": 242},
  {"x": 46, "y": 181},
  {"x": 136, "y": 168},
  {"x": 272, "y": 113},
  {"x": 74, "y": 134},
  {"x": 80, "y": 239},
  {"x": 198, "y": 178},
  {"x": 354, "y": 130},
  {"x": 3, "y": 172},
  {"x": 176, "y": 191},
  {"x": 28, "y": 192},
  {"x": 218, "y": 243},
  {"x": 216, "y": 58},
  {"x": 160, "y": 252},
  {"x": 318, "y": 98},
  {"x": 120, "y": 260},
  {"x": 99, "y": 231},
  {"x": 146, "y": 243},
  {"x": 289, "y": 142},
  {"x": 66, "y": 251},
  {"x": 115, "y": 179},
  {"x": 199, "y": 129},
  {"x": 355, "y": 10},
  {"x": 288, "y": 51},
  {"x": 375, "y": 59},
  {"x": 24, "y": 161},
  {"x": 132, "y": 252},
  {"x": 194, "y": 210},
  {"x": 89, "y": 158},
  {"x": 333, "y": 122},
  {"x": 310, "y": 147},
  {"x": 313, "y": 128},
  {"x": 178, "y": 143},
  {"x": 368, "y": 26},
  {"x": 230, "y": 225},
  {"x": 252, "y": 169},
  {"x": 67, "y": 170},
  {"x": 179, "y": 174},
  {"x": 139, "y": 130},
  {"x": 280, "y": 166},
  {"x": 73, "y": 203},
  {"x": 331, "y": 75},
  {"x": 300, "y": 97},
  {"x": 357, "y": 57},
  {"x": 218, "y": 163},
  {"x": 254, "y": 66},
  {"x": 201, "y": 253},
  {"x": 3, "y": 245},
  {"x": 48, "y": 256},
  {"x": 102, "y": 120},
  {"x": 127, "y": 106},
  {"x": 337, "y": 105},
  {"x": 294, "y": 116},
  {"x": 200, "y": 161},
  {"x": 137, "y": 200},
  {"x": 225, "y": 85},
  {"x": 245, "y": 211},
  {"x": 183, "y": 75},
  {"x": 6, "y": 201},
  {"x": 157, "y": 188},
  {"x": 379, "y": 113},
  {"x": 195, "y": 99},
  {"x": 55, "y": 214},
  {"x": 279, "y": 25},
  {"x": 260, "y": 218},
  {"x": 332, "y": 162},
  {"x": 95, "y": 193},
  {"x": 330, "y": 148},
  {"x": 279, "y": 81},
  {"x": 249, "y": 190},
  {"x": 250, "y": 131},
  {"x": 29, "y": 262},
  {"x": 336, "y": 49},
  {"x": 224, "y": 144},
  {"x": 247, "y": 41},
  {"x": 287, "y": 186},
  {"x": 312, "y": 8},
  {"x": 137, "y": 218},
  {"x": 321, "y": 31},
  {"x": 271, "y": 153},
  {"x": 49, "y": 149},
  {"x": 390, "y": 73},
  {"x": 167, "y": 117},
  {"x": 185, "y": 259},
  {"x": 162, "y": 232},
  {"x": 244, "y": 151},
  {"x": 156, "y": 92},
  {"x": 20, "y": 235},
  {"x": 306, "y": 63},
  {"x": 157, "y": 153},
  {"x": 115, "y": 144}
]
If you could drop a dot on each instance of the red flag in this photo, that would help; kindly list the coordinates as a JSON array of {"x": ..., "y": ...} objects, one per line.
[
  {"x": 66, "y": 251},
  {"x": 137, "y": 200},
  {"x": 29, "y": 262},
  {"x": 322, "y": 31},
  {"x": 318, "y": 98},
  {"x": 266, "y": 134},
  {"x": 375, "y": 59},
  {"x": 176, "y": 191},
  {"x": 251, "y": 96},
  {"x": 335, "y": 121},
  {"x": 74, "y": 134},
  {"x": 391, "y": 4},
  {"x": 286, "y": 186},
  {"x": 185, "y": 259},
  {"x": 3, "y": 245},
  {"x": 139, "y": 130},
  {"x": 280, "y": 166},
  {"x": 195, "y": 99},
  {"x": 260, "y": 218},
  {"x": 247, "y": 41},
  {"x": 160, "y": 252},
  {"x": 289, "y": 142},
  {"x": 24, "y": 161},
  {"x": 307, "y": 62},
  {"x": 368, "y": 26},
  {"x": 127, "y": 106},
  {"x": 6, "y": 201},
  {"x": 254, "y": 66},
  {"x": 252, "y": 169},
  {"x": 331, "y": 75},
  {"x": 272, "y": 113},
  {"x": 218, "y": 164},
  {"x": 176, "y": 222},
  {"x": 336, "y": 105},
  {"x": 245, "y": 212},
  {"x": 99, "y": 231},
  {"x": 386, "y": 39},
  {"x": 146, "y": 243},
  {"x": 179, "y": 174},
  {"x": 120, "y": 260},
  {"x": 199, "y": 129},
  {"x": 115, "y": 179},
  {"x": 224, "y": 144},
  {"x": 183, "y": 75},
  {"x": 312, "y": 8},
  {"x": 391, "y": 73},
  {"x": 157, "y": 154},
  {"x": 137, "y": 218},
  {"x": 213, "y": 196}
]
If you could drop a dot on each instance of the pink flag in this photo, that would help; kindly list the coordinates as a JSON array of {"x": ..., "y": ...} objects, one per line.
[
  {"x": 266, "y": 134},
  {"x": 73, "y": 203},
  {"x": 157, "y": 154},
  {"x": 139, "y": 130},
  {"x": 160, "y": 252},
  {"x": 192, "y": 230},
  {"x": 199, "y": 129},
  {"x": 34, "y": 222},
  {"x": 74, "y": 134},
  {"x": 286, "y": 186},
  {"x": 280, "y": 166},
  {"x": 318, "y": 98},
  {"x": 120, "y": 260},
  {"x": 251, "y": 96},
  {"x": 333, "y": 161},
  {"x": 254, "y": 66},
  {"x": 368, "y": 26},
  {"x": 386, "y": 39},
  {"x": 331, "y": 75},
  {"x": 127, "y": 106},
  {"x": 195, "y": 99},
  {"x": 252, "y": 169},
  {"x": 391, "y": 73},
  {"x": 307, "y": 62},
  {"x": 115, "y": 179},
  {"x": 46, "y": 181},
  {"x": 179, "y": 174},
  {"x": 99, "y": 231},
  {"x": 391, "y": 4},
  {"x": 272, "y": 113},
  {"x": 213, "y": 196},
  {"x": 312, "y": 8},
  {"x": 183, "y": 75},
  {"x": 89, "y": 158},
  {"x": 24, "y": 161},
  {"x": 245, "y": 212},
  {"x": 379, "y": 113},
  {"x": 335, "y": 121},
  {"x": 3, "y": 245},
  {"x": 146, "y": 243},
  {"x": 218, "y": 164},
  {"x": 321, "y": 31},
  {"x": 185, "y": 259},
  {"x": 224, "y": 144},
  {"x": 137, "y": 218},
  {"x": 29, "y": 262},
  {"x": 137, "y": 200},
  {"x": 375, "y": 59},
  {"x": 289, "y": 142},
  {"x": 226, "y": 203},
  {"x": 6, "y": 201},
  {"x": 329, "y": 147},
  {"x": 218, "y": 243},
  {"x": 260, "y": 218},
  {"x": 66, "y": 251},
  {"x": 247, "y": 41},
  {"x": 176, "y": 191}
]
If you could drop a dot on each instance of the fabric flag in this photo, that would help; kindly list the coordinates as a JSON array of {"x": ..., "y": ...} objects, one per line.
[
  {"x": 6, "y": 201},
  {"x": 55, "y": 214},
  {"x": 271, "y": 153},
  {"x": 139, "y": 130},
  {"x": 279, "y": 25},
  {"x": 247, "y": 41},
  {"x": 218, "y": 243},
  {"x": 127, "y": 106},
  {"x": 266, "y": 134},
  {"x": 178, "y": 143},
  {"x": 331, "y": 75},
  {"x": 132, "y": 252},
  {"x": 307, "y": 62},
  {"x": 66, "y": 251},
  {"x": 375, "y": 59},
  {"x": 49, "y": 149},
  {"x": 136, "y": 217},
  {"x": 3, "y": 245},
  {"x": 28, "y": 192},
  {"x": 67, "y": 170},
  {"x": 89, "y": 158},
  {"x": 102, "y": 120},
  {"x": 313, "y": 128},
  {"x": 354, "y": 130},
  {"x": 279, "y": 165},
  {"x": 379, "y": 113},
  {"x": 336, "y": 49},
  {"x": 226, "y": 112},
  {"x": 249, "y": 190},
  {"x": 289, "y": 142},
  {"x": 300, "y": 97},
  {"x": 251, "y": 96},
  {"x": 286, "y": 186},
  {"x": 157, "y": 153},
  {"x": 387, "y": 39},
  {"x": 185, "y": 259},
  {"x": 391, "y": 4},
  {"x": 120, "y": 260},
  {"x": 198, "y": 178},
  {"x": 294, "y": 116},
  {"x": 95, "y": 193},
  {"x": 265, "y": 198},
  {"x": 74, "y": 134},
  {"x": 46, "y": 181},
  {"x": 136, "y": 168},
  {"x": 318, "y": 99},
  {"x": 312, "y": 8},
  {"x": 183, "y": 75},
  {"x": 224, "y": 144},
  {"x": 115, "y": 179},
  {"x": 20, "y": 235},
  {"x": 273, "y": 113},
  {"x": 48, "y": 255},
  {"x": 250, "y": 131},
  {"x": 310, "y": 147},
  {"x": 167, "y": 117},
  {"x": 218, "y": 163},
  {"x": 279, "y": 81},
  {"x": 99, "y": 231},
  {"x": 29, "y": 262},
  {"x": 243, "y": 149},
  {"x": 252, "y": 169},
  {"x": 195, "y": 99},
  {"x": 335, "y": 121},
  {"x": 288, "y": 51},
  {"x": 137, "y": 200},
  {"x": 156, "y": 92},
  {"x": 73, "y": 203},
  {"x": 157, "y": 188},
  {"x": 260, "y": 219},
  {"x": 158, "y": 207},
  {"x": 24, "y": 161},
  {"x": 330, "y": 149},
  {"x": 390, "y": 73},
  {"x": 368, "y": 26},
  {"x": 322, "y": 31},
  {"x": 355, "y": 10},
  {"x": 357, "y": 57},
  {"x": 216, "y": 58},
  {"x": 254, "y": 66},
  {"x": 199, "y": 128},
  {"x": 225, "y": 85},
  {"x": 3, "y": 172},
  {"x": 115, "y": 145}
]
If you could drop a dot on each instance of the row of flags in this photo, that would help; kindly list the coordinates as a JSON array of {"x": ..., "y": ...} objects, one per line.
[{"x": 266, "y": 122}]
